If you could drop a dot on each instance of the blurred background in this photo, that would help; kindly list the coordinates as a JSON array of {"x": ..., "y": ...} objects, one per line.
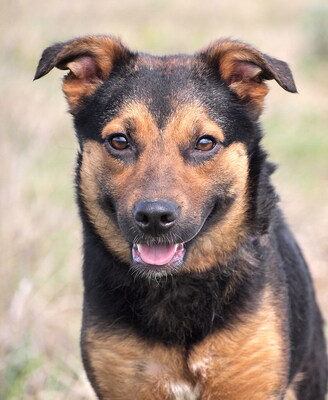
[{"x": 40, "y": 256}]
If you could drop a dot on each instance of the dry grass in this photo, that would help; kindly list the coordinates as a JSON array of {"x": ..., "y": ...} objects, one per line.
[{"x": 40, "y": 256}]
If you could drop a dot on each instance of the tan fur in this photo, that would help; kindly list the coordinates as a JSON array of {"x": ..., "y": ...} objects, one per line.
[
  {"x": 187, "y": 120},
  {"x": 125, "y": 180},
  {"x": 246, "y": 362},
  {"x": 290, "y": 395},
  {"x": 229, "y": 165},
  {"x": 104, "y": 50},
  {"x": 127, "y": 368},
  {"x": 136, "y": 113},
  {"x": 228, "y": 55},
  {"x": 128, "y": 180},
  {"x": 167, "y": 176},
  {"x": 217, "y": 244},
  {"x": 291, "y": 391},
  {"x": 93, "y": 170},
  {"x": 75, "y": 91}
]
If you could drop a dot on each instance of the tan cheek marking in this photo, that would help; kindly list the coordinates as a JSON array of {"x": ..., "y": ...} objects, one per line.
[
  {"x": 161, "y": 159},
  {"x": 93, "y": 164},
  {"x": 213, "y": 247},
  {"x": 126, "y": 368},
  {"x": 245, "y": 362},
  {"x": 216, "y": 245},
  {"x": 129, "y": 182}
]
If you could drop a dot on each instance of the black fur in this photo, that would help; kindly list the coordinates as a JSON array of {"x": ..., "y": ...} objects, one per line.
[{"x": 184, "y": 308}]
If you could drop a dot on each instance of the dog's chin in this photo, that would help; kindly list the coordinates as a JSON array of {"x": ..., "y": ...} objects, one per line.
[{"x": 157, "y": 260}]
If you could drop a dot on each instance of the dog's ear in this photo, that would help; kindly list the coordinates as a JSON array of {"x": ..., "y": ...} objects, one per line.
[
  {"x": 244, "y": 69},
  {"x": 89, "y": 60}
]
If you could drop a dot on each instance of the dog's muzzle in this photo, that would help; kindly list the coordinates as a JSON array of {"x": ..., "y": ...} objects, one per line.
[{"x": 155, "y": 220}]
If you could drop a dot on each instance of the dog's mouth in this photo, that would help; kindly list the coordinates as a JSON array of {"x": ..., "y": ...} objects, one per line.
[
  {"x": 155, "y": 256},
  {"x": 158, "y": 257}
]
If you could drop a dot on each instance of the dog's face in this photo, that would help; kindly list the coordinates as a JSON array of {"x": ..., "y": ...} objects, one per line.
[{"x": 165, "y": 146}]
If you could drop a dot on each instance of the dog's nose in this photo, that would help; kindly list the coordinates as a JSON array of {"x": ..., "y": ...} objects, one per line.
[{"x": 156, "y": 217}]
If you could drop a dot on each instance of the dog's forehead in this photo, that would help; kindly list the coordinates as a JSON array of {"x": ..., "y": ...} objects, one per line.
[
  {"x": 165, "y": 86},
  {"x": 162, "y": 84},
  {"x": 156, "y": 79},
  {"x": 167, "y": 63}
]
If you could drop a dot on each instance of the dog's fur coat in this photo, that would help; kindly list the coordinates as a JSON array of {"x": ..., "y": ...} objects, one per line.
[{"x": 195, "y": 288}]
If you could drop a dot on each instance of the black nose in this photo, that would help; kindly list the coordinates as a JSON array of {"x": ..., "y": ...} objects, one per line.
[{"x": 156, "y": 217}]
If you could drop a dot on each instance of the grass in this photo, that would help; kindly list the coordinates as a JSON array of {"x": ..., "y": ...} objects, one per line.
[
  {"x": 40, "y": 283},
  {"x": 298, "y": 145}
]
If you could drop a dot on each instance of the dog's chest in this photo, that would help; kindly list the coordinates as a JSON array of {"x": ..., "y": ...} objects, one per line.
[{"x": 246, "y": 362}]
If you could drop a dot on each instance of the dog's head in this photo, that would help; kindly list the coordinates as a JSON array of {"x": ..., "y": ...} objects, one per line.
[{"x": 167, "y": 145}]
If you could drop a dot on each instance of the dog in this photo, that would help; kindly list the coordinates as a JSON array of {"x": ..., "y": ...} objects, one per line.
[{"x": 194, "y": 286}]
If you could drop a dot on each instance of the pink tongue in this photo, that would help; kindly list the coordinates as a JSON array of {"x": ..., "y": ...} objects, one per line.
[{"x": 158, "y": 254}]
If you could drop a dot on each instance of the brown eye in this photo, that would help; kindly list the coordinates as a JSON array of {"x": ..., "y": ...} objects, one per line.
[
  {"x": 205, "y": 143},
  {"x": 118, "y": 142}
]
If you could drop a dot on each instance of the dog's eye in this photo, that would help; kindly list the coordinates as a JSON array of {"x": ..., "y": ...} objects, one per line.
[
  {"x": 118, "y": 141},
  {"x": 205, "y": 143}
]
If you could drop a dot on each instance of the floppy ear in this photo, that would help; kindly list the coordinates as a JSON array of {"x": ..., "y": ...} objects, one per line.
[
  {"x": 244, "y": 69},
  {"x": 89, "y": 60}
]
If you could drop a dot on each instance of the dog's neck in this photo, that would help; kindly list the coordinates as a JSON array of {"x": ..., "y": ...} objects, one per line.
[{"x": 146, "y": 306}]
